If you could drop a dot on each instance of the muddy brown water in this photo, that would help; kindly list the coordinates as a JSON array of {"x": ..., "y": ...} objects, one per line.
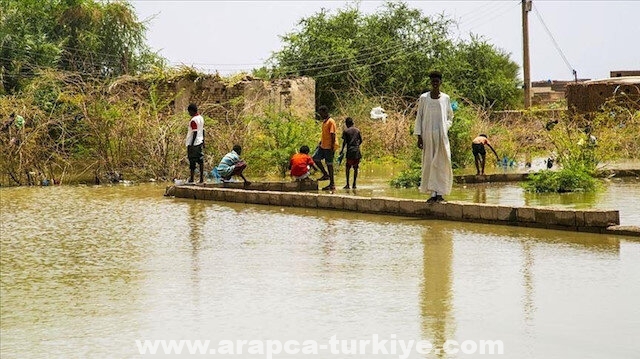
[{"x": 87, "y": 271}]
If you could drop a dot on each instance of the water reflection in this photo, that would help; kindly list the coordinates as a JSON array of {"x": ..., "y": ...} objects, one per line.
[
  {"x": 196, "y": 220},
  {"x": 528, "y": 303},
  {"x": 560, "y": 240},
  {"x": 480, "y": 195},
  {"x": 328, "y": 238},
  {"x": 570, "y": 199},
  {"x": 436, "y": 294}
]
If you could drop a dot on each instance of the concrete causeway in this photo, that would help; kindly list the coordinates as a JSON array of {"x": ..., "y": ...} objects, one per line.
[
  {"x": 290, "y": 194},
  {"x": 520, "y": 177}
]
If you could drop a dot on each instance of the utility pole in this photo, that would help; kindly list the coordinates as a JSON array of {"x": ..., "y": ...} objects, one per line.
[{"x": 526, "y": 69}]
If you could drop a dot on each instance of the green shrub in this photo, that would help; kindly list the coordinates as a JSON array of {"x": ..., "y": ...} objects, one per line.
[
  {"x": 275, "y": 137},
  {"x": 408, "y": 178},
  {"x": 571, "y": 179},
  {"x": 412, "y": 175},
  {"x": 460, "y": 136}
]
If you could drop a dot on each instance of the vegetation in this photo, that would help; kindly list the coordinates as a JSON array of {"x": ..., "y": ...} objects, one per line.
[
  {"x": 89, "y": 37},
  {"x": 391, "y": 52},
  {"x": 409, "y": 177},
  {"x": 275, "y": 137},
  {"x": 88, "y": 132},
  {"x": 579, "y": 150},
  {"x": 96, "y": 103},
  {"x": 568, "y": 179}
]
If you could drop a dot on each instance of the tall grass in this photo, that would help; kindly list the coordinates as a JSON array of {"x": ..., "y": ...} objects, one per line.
[{"x": 80, "y": 131}]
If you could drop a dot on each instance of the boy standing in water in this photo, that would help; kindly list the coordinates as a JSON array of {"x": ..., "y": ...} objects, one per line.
[
  {"x": 326, "y": 148},
  {"x": 479, "y": 153},
  {"x": 351, "y": 139},
  {"x": 195, "y": 142}
]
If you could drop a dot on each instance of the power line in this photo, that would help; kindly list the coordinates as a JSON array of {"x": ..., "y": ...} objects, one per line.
[
  {"x": 478, "y": 14},
  {"x": 349, "y": 70},
  {"x": 344, "y": 61},
  {"x": 477, "y": 23},
  {"x": 392, "y": 55},
  {"x": 331, "y": 61},
  {"x": 555, "y": 43},
  {"x": 361, "y": 52},
  {"x": 358, "y": 63}
]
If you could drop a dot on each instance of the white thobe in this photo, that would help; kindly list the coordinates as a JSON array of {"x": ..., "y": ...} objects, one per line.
[{"x": 433, "y": 120}]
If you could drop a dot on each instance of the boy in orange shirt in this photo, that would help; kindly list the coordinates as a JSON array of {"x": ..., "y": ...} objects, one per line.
[
  {"x": 301, "y": 164},
  {"x": 326, "y": 148}
]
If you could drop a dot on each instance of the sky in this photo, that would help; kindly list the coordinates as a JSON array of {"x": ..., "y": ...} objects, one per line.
[{"x": 592, "y": 37}]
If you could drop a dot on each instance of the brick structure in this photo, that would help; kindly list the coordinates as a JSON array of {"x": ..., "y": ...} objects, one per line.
[
  {"x": 546, "y": 92},
  {"x": 624, "y": 73},
  {"x": 248, "y": 96},
  {"x": 589, "y": 96}
]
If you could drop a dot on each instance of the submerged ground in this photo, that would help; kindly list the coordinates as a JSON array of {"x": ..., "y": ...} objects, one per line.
[{"x": 87, "y": 271}]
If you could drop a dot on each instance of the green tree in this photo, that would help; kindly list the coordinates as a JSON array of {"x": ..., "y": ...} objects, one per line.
[
  {"x": 484, "y": 75},
  {"x": 378, "y": 53},
  {"x": 87, "y": 36},
  {"x": 391, "y": 52}
]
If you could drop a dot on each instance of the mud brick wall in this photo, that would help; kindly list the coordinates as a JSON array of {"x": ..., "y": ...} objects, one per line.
[
  {"x": 624, "y": 73},
  {"x": 589, "y": 97},
  {"x": 227, "y": 102}
]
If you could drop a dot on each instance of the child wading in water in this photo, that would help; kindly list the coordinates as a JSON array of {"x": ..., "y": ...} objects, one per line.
[
  {"x": 351, "y": 139},
  {"x": 479, "y": 152}
]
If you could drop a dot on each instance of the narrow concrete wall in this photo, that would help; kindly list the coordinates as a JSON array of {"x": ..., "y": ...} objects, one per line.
[
  {"x": 519, "y": 177},
  {"x": 595, "y": 221},
  {"x": 297, "y": 186},
  {"x": 498, "y": 177}
]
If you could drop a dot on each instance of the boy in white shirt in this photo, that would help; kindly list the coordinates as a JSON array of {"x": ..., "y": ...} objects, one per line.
[{"x": 195, "y": 142}]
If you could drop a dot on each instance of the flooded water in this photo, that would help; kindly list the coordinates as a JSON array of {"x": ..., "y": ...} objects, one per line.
[{"x": 87, "y": 271}]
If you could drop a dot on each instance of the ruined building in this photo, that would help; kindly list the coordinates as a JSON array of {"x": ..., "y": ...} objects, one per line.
[
  {"x": 225, "y": 101},
  {"x": 589, "y": 96}
]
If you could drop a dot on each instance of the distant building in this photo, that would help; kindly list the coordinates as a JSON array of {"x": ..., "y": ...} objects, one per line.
[
  {"x": 550, "y": 91},
  {"x": 625, "y": 73},
  {"x": 589, "y": 96}
]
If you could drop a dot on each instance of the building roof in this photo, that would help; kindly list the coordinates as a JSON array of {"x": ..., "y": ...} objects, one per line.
[{"x": 626, "y": 80}]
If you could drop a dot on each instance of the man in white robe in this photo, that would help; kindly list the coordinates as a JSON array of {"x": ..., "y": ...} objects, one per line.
[{"x": 432, "y": 124}]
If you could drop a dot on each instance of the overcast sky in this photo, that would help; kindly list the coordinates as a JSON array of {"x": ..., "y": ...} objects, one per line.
[{"x": 594, "y": 37}]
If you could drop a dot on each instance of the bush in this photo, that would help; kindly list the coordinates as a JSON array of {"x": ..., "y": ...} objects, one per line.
[
  {"x": 460, "y": 136},
  {"x": 389, "y": 137},
  {"x": 275, "y": 137},
  {"x": 576, "y": 179},
  {"x": 577, "y": 153},
  {"x": 409, "y": 177}
]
